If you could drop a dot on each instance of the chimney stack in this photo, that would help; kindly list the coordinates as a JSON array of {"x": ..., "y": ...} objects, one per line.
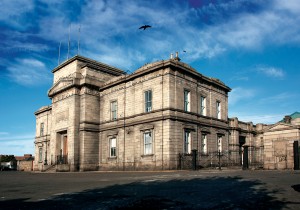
[{"x": 287, "y": 119}]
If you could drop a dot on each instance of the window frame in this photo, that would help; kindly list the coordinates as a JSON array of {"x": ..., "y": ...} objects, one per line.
[
  {"x": 203, "y": 105},
  {"x": 114, "y": 109},
  {"x": 187, "y": 100},
  {"x": 148, "y": 147},
  {"x": 219, "y": 143},
  {"x": 218, "y": 109},
  {"x": 148, "y": 100},
  {"x": 187, "y": 142},
  {"x": 204, "y": 145},
  {"x": 111, "y": 155},
  {"x": 42, "y": 128}
]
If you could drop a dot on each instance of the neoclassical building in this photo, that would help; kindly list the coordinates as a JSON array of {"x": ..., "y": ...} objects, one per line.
[{"x": 101, "y": 118}]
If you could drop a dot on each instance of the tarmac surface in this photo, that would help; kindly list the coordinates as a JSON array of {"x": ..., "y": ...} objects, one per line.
[{"x": 203, "y": 189}]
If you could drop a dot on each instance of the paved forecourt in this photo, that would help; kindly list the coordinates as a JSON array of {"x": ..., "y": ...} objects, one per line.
[{"x": 204, "y": 189}]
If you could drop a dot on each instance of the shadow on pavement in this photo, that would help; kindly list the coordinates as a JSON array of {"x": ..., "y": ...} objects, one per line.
[{"x": 208, "y": 193}]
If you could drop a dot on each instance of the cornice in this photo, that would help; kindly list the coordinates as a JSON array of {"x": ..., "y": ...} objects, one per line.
[{"x": 92, "y": 63}]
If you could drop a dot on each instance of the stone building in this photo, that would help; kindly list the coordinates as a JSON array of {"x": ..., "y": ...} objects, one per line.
[
  {"x": 279, "y": 140},
  {"x": 101, "y": 118}
]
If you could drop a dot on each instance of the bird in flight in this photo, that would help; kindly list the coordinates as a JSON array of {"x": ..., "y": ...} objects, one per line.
[{"x": 144, "y": 27}]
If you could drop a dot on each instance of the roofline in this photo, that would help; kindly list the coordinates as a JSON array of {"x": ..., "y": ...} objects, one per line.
[
  {"x": 89, "y": 62},
  {"x": 165, "y": 63},
  {"x": 43, "y": 109}
]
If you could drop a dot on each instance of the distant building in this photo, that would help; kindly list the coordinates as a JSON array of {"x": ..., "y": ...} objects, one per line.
[
  {"x": 103, "y": 119},
  {"x": 25, "y": 163},
  {"x": 279, "y": 140}
]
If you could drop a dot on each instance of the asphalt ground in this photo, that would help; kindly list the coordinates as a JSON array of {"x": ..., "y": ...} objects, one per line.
[{"x": 203, "y": 189}]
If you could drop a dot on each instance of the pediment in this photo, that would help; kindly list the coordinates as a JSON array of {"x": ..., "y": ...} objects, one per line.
[
  {"x": 280, "y": 126},
  {"x": 60, "y": 85}
]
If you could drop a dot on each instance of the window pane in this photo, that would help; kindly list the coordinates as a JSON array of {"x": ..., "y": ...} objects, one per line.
[
  {"x": 203, "y": 105},
  {"x": 114, "y": 110},
  {"x": 186, "y": 100},
  {"x": 218, "y": 110},
  {"x": 187, "y": 142},
  {"x": 204, "y": 144},
  {"x": 148, "y": 101},
  {"x": 113, "y": 145},
  {"x": 219, "y": 143},
  {"x": 147, "y": 143}
]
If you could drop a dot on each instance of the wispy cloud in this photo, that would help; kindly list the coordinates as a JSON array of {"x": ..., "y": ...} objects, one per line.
[
  {"x": 13, "y": 12},
  {"x": 260, "y": 118},
  {"x": 28, "y": 72},
  {"x": 239, "y": 93},
  {"x": 114, "y": 24},
  {"x": 271, "y": 72},
  {"x": 280, "y": 98},
  {"x": 16, "y": 144}
]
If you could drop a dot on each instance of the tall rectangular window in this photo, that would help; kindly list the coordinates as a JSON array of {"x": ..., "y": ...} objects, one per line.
[
  {"x": 148, "y": 143},
  {"x": 40, "y": 154},
  {"x": 203, "y": 106},
  {"x": 186, "y": 100},
  {"x": 148, "y": 101},
  {"x": 204, "y": 143},
  {"x": 218, "y": 109},
  {"x": 219, "y": 143},
  {"x": 42, "y": 129},
  {"x": 113, "y": 147},
  {"x": 113, "y": 108},
  {"x": 187, "y": 142}
]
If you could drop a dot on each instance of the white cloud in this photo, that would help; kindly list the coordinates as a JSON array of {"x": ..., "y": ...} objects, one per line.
[
  {"x": 280, "y": 98},
  {"x": 28, "y": 72},
  {"x": 239, "y": 94},
  {"x": 114, "y": 25},
  {"x": 271, "y": 72},
  {"x": 259, "y": 118},
  {"x": 17, "y": 145},
  {"x": 13, "y": 11}
]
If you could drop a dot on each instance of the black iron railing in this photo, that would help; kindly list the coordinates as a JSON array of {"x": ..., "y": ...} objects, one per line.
[{"x": 62, "y": 159}]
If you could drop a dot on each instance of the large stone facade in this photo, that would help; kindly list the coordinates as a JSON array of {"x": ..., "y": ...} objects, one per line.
[{"x": 103, "y": 119}]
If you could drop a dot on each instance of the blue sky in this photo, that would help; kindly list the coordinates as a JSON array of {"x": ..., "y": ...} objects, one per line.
[{"x": 252, "y": 46}]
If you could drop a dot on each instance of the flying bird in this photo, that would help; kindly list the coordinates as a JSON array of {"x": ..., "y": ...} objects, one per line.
[
  {"x": 184, "y": 51},
  {"x": 144, "y": 27}
]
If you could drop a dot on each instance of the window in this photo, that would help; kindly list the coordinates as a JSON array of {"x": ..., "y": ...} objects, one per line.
[
  {"x": 204, "y": 144},
  {"x": 187, "y": 142},
  {"x": 40, "y": 154},
  {"x": 203, "y": 106},
  {"x": 186, "y": 100},
  {"x": 113, "y": 147},
  {"x": 219, "y": 142},
  {"x": 42, "y": 129},
  {"x": 148, "y": 143},
  {"x": 148, "y": 101},
  {"x": 218, "y": 109},
  {"x": 113, "y": 108}
]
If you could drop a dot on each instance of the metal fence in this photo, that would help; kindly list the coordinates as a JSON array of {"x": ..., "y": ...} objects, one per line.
[
  {"x": 247, "y": 157},
  {"x": 62, "y": 159}
]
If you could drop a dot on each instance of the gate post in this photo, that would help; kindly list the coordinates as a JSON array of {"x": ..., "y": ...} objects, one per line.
[
  {"x": 194, "y": 160},
  {"x": 296, "y": 155},
  {"x": 245, "y": 158}
]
